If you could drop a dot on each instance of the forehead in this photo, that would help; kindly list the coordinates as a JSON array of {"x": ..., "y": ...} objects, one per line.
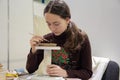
[{"x": 52, "y": 17}]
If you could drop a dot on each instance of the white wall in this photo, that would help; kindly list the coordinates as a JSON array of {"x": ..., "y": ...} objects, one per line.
[
  {"x": 101, "y": 20},
  {"x": 20, "y": 25},
  {"x": 40, "y": 25},
  {"x": 3, "y": 31}
]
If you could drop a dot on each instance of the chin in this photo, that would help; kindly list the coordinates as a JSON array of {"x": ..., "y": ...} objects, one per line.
[{"x": 57, "y": 34}]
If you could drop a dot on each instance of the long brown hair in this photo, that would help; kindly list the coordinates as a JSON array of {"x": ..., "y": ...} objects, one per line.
[
  {"x": 58, "y": 7},
  {"x": 74, "y": 37}
]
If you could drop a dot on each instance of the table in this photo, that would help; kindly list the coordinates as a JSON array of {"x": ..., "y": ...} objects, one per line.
[{"x": 38, "y": 77}]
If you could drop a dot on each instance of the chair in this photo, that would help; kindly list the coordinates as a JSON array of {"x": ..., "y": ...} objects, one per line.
[
  {"x": 104, "y": 69},
  {"x": 111, "y": 72}
]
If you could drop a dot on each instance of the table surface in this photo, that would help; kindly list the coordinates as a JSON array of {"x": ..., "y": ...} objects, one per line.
[{"x": 37, "y": 77}]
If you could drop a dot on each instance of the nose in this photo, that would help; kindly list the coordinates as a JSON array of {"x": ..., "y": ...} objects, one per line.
[{"x": 52, "y": 28}]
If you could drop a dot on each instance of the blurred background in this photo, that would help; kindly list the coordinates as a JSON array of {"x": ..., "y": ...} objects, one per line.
[{"x": 99, "y": 18}]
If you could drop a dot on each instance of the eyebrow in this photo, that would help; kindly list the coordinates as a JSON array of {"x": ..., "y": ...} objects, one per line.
[{"x": 53, "y": 22}]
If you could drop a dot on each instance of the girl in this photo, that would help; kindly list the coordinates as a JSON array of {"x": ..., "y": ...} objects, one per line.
[{"x": 74, "y": 58}]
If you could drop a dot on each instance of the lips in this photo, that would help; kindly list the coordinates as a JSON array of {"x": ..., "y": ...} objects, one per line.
[{"x": 56, "y": 33}]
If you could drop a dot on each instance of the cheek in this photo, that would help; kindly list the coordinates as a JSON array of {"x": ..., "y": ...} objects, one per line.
[{"x": 62, "y": 29}]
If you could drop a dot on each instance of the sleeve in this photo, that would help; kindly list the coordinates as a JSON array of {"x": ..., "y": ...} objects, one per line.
[
  {"x": 84, "y": 71},
  {"x": 33, "y": 60}
]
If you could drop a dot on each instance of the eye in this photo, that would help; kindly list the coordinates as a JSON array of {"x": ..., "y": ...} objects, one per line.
[{"x": 56, "y": 24}]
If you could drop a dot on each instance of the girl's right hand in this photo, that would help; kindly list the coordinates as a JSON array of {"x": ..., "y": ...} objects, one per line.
[{"x": 34, "y": 41}]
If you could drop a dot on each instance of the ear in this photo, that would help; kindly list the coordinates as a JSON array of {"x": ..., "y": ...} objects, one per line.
[{"x": 68, "y": 20}]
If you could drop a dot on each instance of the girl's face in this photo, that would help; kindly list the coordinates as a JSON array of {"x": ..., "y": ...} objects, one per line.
[{"x": 56, "y": 24}]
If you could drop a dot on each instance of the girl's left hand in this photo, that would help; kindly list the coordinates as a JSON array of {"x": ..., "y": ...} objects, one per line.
[{"x": 55, "y": 70}]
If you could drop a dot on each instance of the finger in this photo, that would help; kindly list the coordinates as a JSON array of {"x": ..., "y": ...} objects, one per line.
[
  {"x": 33, "y": 42},
  {"x": 53, "y": 66},
  {"x": 54, "y": 75},
  {"x": 36, "y": 39},
  {"x": 52, "y": 72}
]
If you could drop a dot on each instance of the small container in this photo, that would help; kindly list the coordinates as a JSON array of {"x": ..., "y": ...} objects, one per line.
[{"x": 2, "y": 73}]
